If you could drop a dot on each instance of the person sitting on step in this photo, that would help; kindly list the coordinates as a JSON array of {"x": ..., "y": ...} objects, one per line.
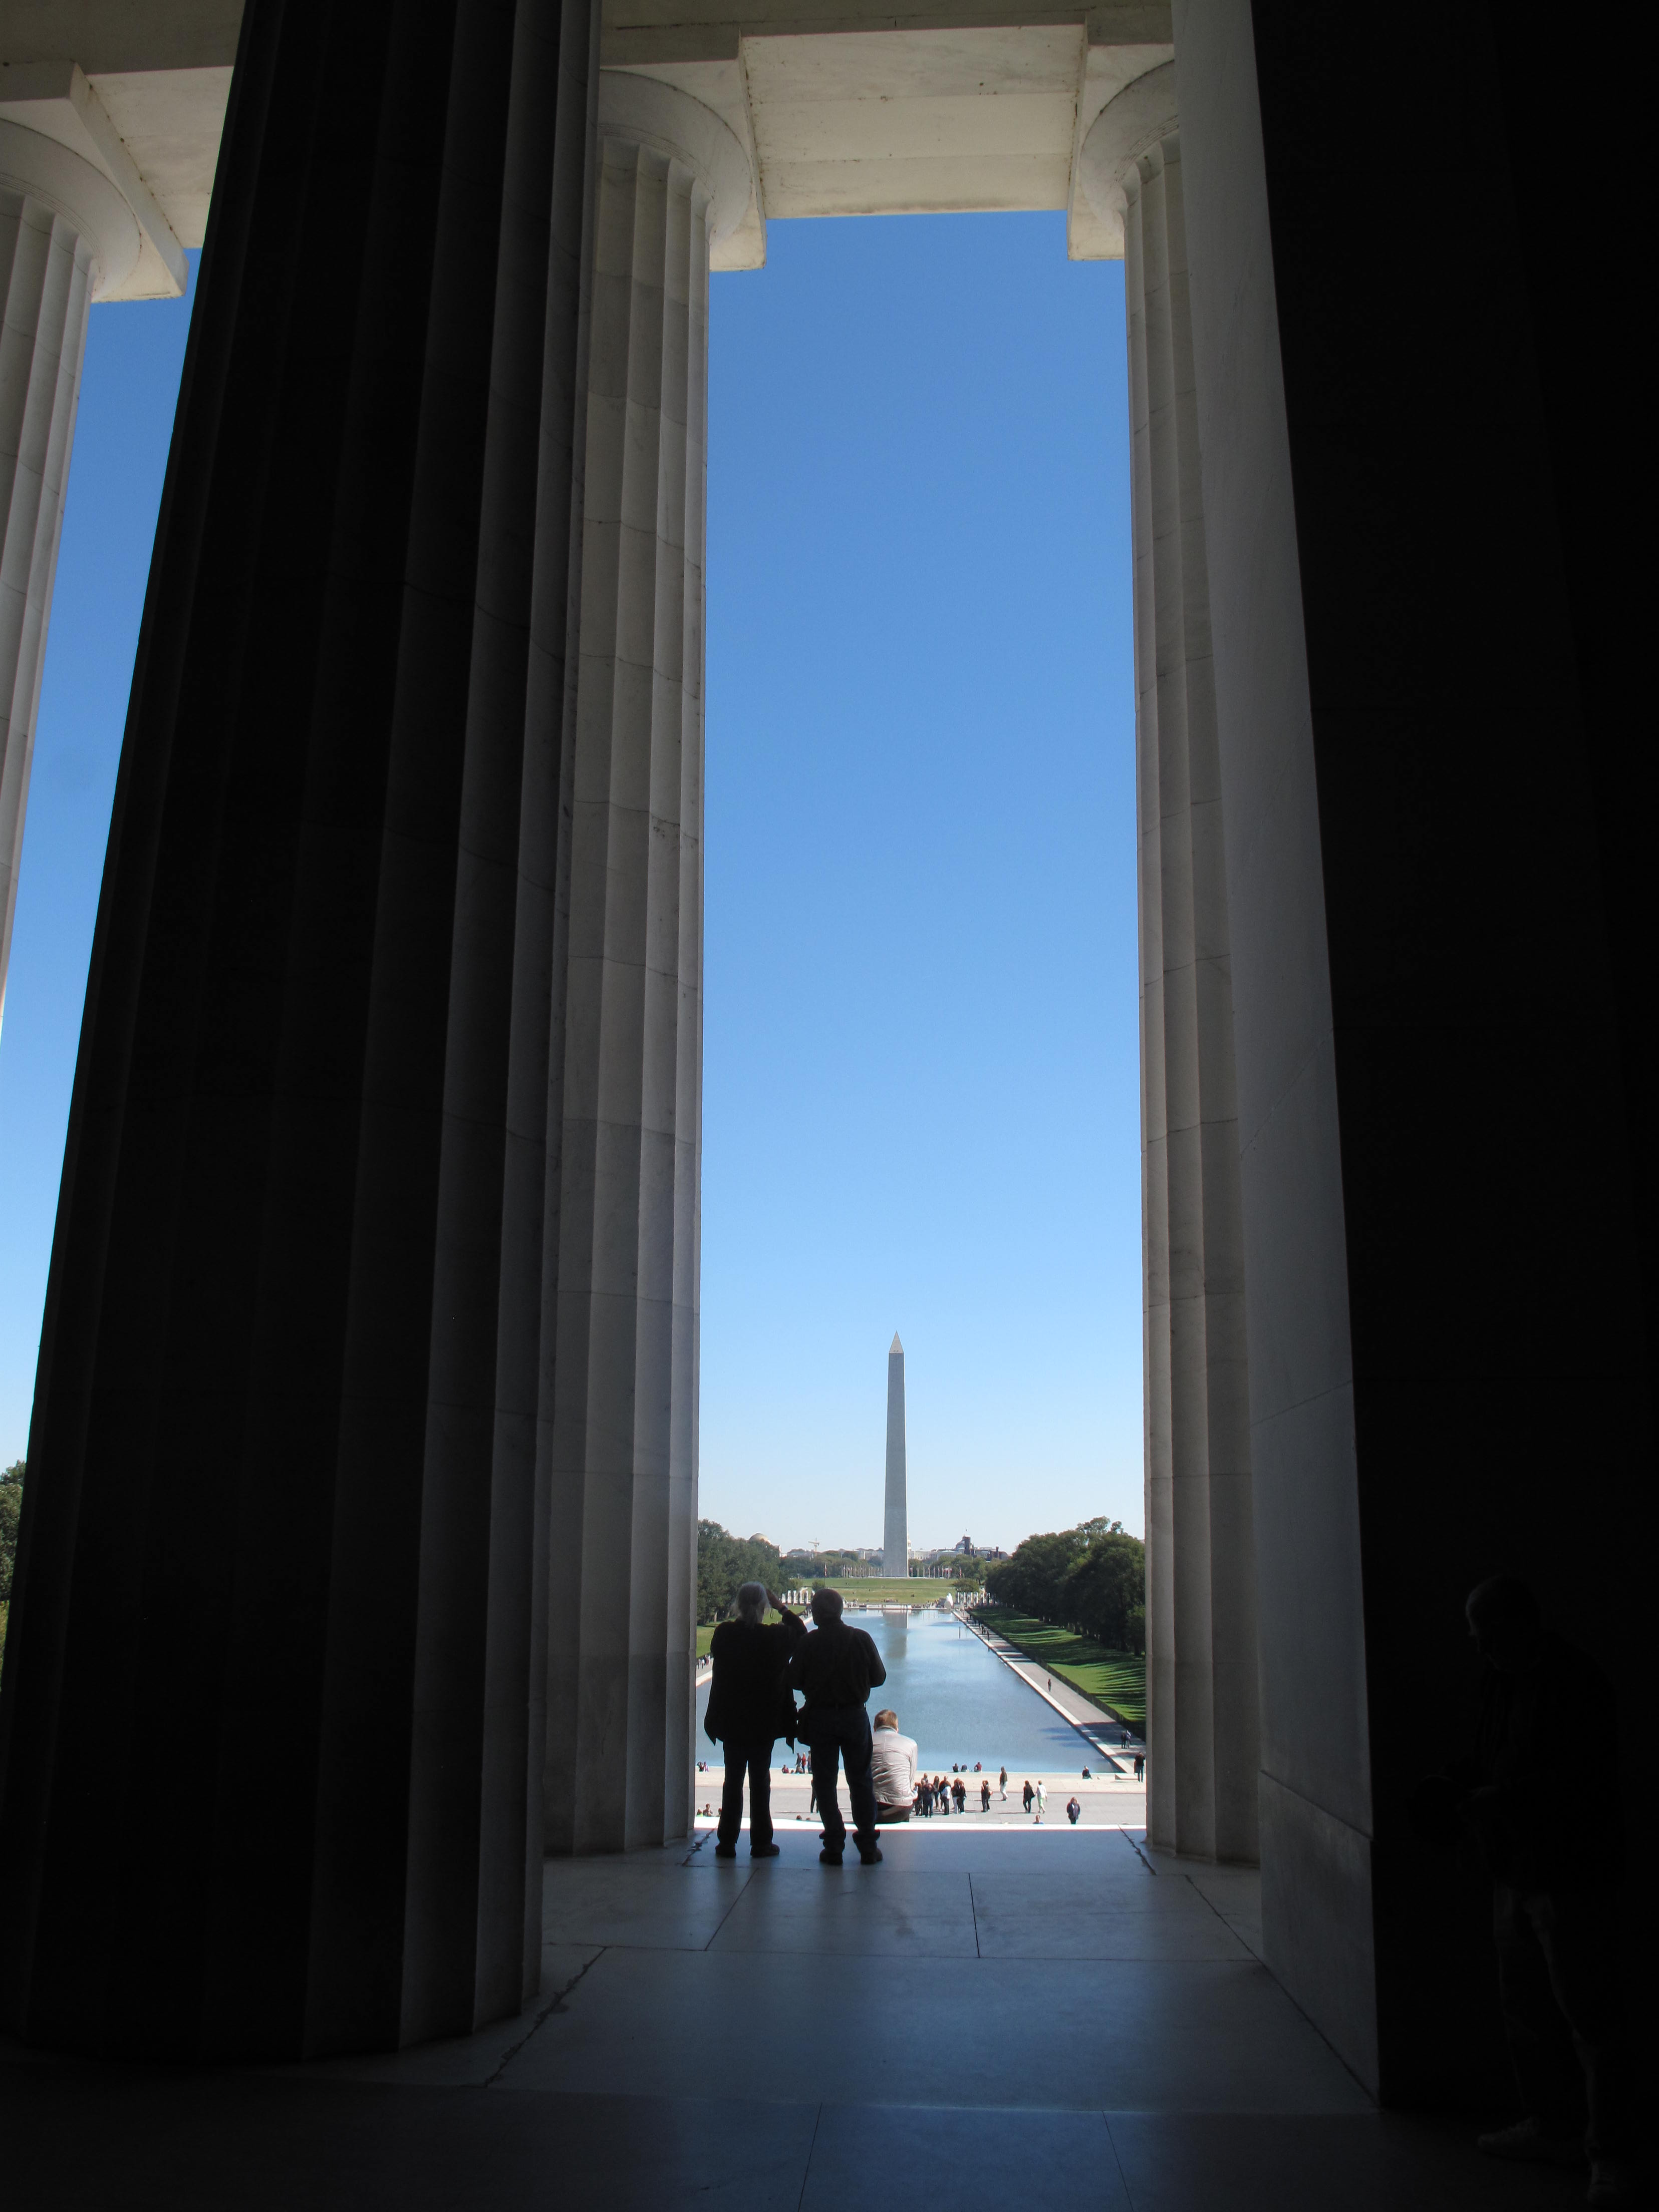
[{"x": 892, "y": 1769}]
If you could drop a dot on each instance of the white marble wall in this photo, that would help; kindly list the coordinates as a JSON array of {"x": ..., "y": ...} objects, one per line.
[
  {"x": 1201, "y": 1674},
  {"x": 1315, "y": 1797},
  {"x": 64, "y": 233},
  {"x": 624, "y": 1509}
]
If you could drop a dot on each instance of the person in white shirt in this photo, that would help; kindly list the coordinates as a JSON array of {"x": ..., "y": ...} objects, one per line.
[{"x": 892, "y": 1769}]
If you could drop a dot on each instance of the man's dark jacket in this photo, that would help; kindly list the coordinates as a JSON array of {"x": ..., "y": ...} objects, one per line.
[
  {"x": 1562, "y": 1703},
  {"x": 747, "y": 1700},
  {"x": 836, "y": 1666}
]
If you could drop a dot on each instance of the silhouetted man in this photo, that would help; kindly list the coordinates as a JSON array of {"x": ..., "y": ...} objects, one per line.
[
  {"x": 835, "y": 1670},
  {"x": 1554, "y": 1889},
  {"x": 749, "y": 1709}
]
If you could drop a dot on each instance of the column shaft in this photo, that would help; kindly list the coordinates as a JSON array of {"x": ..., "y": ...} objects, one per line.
[
  {"x": 47, "y": 271},
  {"x": 272, "y": 1729},
  {"x": 1201, "y": 1608},
  {"x": 622, "y": 1566}
]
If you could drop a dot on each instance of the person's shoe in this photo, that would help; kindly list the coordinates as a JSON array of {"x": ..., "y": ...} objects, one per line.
[
  {"x": 726, "y": 1851},
  {"x": 1612, "y": 2184},
  {"x": 827, "y": 1857},
  {"x": 1528, "y": 2144},
  {"x": 871, "y": 1857},
  {"x": 764, "y": 1851}
]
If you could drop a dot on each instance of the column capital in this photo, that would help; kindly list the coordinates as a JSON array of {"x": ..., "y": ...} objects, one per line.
[
  {"x": 41, "y": 169},
  {"x": 642, "y": 111},
  {"x": 1127, "y": 129},
  {"x": 55, "y": 101}
]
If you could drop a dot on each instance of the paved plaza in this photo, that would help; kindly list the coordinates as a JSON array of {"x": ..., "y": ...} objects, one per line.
[
  {"x": 1061, "y": 2017},
  {"x": 1114, "y": 1801}
]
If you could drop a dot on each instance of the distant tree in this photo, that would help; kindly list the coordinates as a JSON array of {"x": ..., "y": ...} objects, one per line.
[
  {"x": 725, "y": 1562},
  {"x": 11, "y": 1503},
  {"x": 1104, "y": 1592},
  {"x": 1092, "y": 1578},
  {"x": 1032, "y": 1579}
]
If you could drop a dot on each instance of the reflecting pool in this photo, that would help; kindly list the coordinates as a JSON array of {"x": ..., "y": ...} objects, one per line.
[{"x": 959, "y": 1701}]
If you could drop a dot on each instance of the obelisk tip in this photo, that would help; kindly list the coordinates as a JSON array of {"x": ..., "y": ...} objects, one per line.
[{"x": 895, "y": 1347}]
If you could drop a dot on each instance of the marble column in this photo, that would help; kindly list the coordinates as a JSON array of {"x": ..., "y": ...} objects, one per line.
[
  {"x": 1202, "y": 1734},
  {"x": 66, "y": 235},
  {"x": 622, "y": 1557},
  {"x": 272, "y": 1726}
]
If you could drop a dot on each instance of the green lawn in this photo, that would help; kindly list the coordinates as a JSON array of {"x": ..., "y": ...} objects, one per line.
[
  {"x": 1115, "y": 1679},
  {"x": 872, "y": 1590}
]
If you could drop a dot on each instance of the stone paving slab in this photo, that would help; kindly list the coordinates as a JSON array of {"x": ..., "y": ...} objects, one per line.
[
  {"x": 106, "y": 2139},
  {"x": 1186, "y": 2036},
  {"x": 1010, "y": 2010}
]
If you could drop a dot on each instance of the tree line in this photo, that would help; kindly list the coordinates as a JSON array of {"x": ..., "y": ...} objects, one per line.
[
  {"x": 11, "y": 1504},
  {"x": 800, "y": 1567},
  {"x": 1090, "y": 1579},
  {"x": 724, "y": 1562}
]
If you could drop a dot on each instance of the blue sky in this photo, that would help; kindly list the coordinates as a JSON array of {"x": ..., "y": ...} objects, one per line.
[{"x": 921, "y": 1107}]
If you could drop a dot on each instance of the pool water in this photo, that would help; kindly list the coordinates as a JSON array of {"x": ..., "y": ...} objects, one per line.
[{"x": 960, "y": 1702}]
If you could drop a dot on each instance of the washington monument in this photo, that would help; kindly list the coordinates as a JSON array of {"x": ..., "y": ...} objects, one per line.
[{"x": 896, "y": 1533}]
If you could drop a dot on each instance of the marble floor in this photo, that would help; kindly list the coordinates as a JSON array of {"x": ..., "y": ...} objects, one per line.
[{"x": 1071, "y": 2015}]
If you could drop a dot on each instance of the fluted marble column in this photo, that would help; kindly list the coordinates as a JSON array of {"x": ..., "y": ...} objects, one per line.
[
  {"x": 66, "y": 235},
  {"x": 622, "y": 1557},
  {"x": 1201, "y": 1643},
  {"x": 272, "y": 1728}
]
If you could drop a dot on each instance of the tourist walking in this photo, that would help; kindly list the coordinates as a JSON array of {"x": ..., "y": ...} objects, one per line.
[
  {"x": 835, "y": 1669},
  {"x": 1002, "y": 1784},
  {"x": 959, "y": 1791},
  {"x": 892, "y": 1769},
  {"x": 749, "y": 1709},
  {"x": 985, "y": 1795},
  {"x": 1073, "y": 1810},
  {"x": 1141, "y": 1765},
  {"x": 1042, "y": 1797},
  {"x": 1026, "y": 1794}
]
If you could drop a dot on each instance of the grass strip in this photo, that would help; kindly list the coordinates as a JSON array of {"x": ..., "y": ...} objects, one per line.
[{"x": 1117, "y": 1680}]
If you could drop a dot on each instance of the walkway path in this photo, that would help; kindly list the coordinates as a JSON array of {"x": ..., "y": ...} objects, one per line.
[
  {"x": 1077, "y": 2022},
  {"x": 1107, "y": 1799},
  {"x": 1083, "y": 1712}
]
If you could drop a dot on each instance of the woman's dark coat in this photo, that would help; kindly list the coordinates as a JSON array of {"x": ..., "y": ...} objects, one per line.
[{"x": 748, "y": 1702}]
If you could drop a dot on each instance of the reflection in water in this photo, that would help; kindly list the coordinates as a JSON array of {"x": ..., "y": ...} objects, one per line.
[{"x": 959, "y": 1701}]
